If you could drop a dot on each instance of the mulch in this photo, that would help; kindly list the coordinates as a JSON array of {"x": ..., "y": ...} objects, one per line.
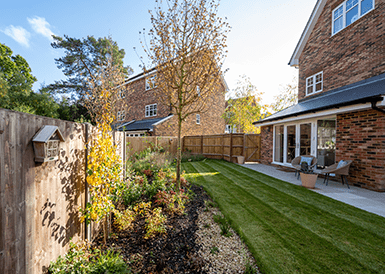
[{"x": 173, "y": 252}]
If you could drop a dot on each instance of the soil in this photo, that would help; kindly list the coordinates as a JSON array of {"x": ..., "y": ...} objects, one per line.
[{"x": 173, "y": 252}]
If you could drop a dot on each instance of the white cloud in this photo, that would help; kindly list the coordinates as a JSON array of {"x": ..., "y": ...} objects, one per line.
[
  {"x": 41, "y": 26},
  {"x": 19, "y": 34}
]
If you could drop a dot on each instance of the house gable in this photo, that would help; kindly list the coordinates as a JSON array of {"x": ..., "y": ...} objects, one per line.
[{"x": 353, "y": 54}]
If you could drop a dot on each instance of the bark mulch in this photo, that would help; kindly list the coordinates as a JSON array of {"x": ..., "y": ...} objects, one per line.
[{"x": 173, "y": 252}]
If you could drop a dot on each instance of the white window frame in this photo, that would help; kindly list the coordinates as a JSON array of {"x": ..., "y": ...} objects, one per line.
[
  {"x": 151, "y": 82},
  {"x": 151, "y": 110},
  {"x": 198, "y": 119},
  {"x": 344, "y": 12},
  {"x": 228, "y": 129},
  {"x": 122, "y": 94},
  {"x": 121, "y": 115},
  {"x": 314, "y": 83}
]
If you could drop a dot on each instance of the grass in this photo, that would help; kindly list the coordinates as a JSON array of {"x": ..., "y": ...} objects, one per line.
[{"x": 290, "y": 229}]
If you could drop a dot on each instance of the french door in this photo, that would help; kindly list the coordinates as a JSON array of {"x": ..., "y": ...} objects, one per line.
[{"x": 293, "y": 140}]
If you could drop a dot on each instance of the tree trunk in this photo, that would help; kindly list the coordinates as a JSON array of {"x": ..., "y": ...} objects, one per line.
[
  {"x": 179, "y": 155},
  {"x": 105, "y": 230}
]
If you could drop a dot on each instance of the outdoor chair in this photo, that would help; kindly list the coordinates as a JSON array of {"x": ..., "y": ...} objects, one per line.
[
  {"x": 341, "y": 168},
  {"x": 296, "y": 163}
]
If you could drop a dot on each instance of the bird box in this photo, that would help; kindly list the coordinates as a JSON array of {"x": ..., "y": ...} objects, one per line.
[{"x": 46, "y": 144}]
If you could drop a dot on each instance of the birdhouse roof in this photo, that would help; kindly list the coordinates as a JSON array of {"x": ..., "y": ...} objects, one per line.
[{"x": 46, "y": 133}]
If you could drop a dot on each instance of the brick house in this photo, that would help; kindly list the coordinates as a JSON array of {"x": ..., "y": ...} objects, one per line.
[
  {"x": 340, "y": 112},
  {"x": 141, "y": 112}
]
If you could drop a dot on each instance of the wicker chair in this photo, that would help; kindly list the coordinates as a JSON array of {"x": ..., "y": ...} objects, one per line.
[
  {"x": 342, "y": 171},
  {"x": 296, "y": 163}
]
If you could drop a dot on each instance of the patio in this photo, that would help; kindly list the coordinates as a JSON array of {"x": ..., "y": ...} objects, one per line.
[{"x": 364, "y": 199}]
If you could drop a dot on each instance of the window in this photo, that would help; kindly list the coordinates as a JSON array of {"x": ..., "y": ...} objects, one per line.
[
  {"x": 198, "y": 119},
  {"x": 231, "y": 129},
  {"x": 314, "y": 83},
  {"x": 348, "y": 12},
  {"x": 121, "y": 115},
  {"x": 151, "y": 110},
  {"x": 199, "y": 91},
  {"x": 122, "y": 94},
  {"x": 151, "y": 82}
]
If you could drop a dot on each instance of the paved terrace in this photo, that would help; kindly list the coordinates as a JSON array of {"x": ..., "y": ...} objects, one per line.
[{"x": 368, "y": 200}]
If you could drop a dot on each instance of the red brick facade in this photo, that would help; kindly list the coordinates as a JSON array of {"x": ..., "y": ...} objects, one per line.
[
  {"x": 267, "y": 145},
  {"x": 354, "y": 54},
  {"x": 361, "y": 138},
  {"x": 351, "y": 55},
  {"x": 137, "y": 98}
]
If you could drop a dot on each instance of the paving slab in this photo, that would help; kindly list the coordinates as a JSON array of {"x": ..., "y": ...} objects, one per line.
[{"x": 364, "y": 199}]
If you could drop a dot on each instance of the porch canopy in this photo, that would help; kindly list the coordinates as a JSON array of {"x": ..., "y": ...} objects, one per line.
[
  {"x": 141, "y": 125},
  {"x": 367, "y": 91}
]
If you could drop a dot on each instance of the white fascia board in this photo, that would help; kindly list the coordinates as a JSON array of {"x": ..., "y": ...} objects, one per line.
[
  {"x": 328, "y": 112},
  {"x": 161, "y": 121},
  {"x": 143, "y": 76},
  {"x": 294, "y": 61}
]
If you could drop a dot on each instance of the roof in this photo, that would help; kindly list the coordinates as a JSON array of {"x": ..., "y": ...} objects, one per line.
[
  {"x": 369, "y": 90},
  {"x": 319, "y": 6},
  {"x": 46, "y": 133},
  {"x": 143, "y": 125}
]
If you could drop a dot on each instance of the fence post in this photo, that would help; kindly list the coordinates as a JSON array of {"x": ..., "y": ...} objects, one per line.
[
  {"x": 202, "y": 144},
  {"x": 223, "y": 145},
  {"x": 244, "y": 145},
  {"x": 231, "y": 147}
]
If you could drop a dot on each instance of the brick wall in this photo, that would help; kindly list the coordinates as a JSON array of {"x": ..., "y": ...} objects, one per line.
[
  {"x": 211, "y": 121},
  {"x": 361, "y": 138},
  {"x": 354, "y": 54},
  {"x": 266, "y": 145}
]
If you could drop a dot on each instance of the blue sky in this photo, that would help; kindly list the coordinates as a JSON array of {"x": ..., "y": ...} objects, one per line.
[{"x": 263, "y": 37}]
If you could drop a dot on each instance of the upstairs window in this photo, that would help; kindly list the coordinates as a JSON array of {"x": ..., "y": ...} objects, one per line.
[
  {"x": 314, "y": 83},
  {"x": 151, "y": 110},
  {"x": 348, "y": 12},
  {"x": 151, "y": 82},
  {"x": 121, "y": 115},
  {"x": 198, "y": 119}
]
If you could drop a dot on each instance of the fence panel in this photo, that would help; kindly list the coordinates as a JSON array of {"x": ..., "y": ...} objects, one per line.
[
  {"x": 138, "y": 144},
  {"x": 39, "y": 201},
  {"x": 225, "y": 146}
]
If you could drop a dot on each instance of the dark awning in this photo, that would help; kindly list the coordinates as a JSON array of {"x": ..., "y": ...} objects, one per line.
[
  {"x": 141, "y": 125},
  {"x": 369, "y": 90}
]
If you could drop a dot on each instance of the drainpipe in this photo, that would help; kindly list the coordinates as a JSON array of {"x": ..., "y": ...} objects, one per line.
[{"x": 374, "y": 107}]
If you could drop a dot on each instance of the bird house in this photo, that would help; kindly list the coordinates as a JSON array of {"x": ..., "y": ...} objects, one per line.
[{"x": 46, "y": 144}]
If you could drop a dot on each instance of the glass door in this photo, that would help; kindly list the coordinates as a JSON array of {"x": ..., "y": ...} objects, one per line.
[
  {"x": 278, "y": 144},
  {"x": 305, "y": 138},
  {"x": 291, "y": 143}
]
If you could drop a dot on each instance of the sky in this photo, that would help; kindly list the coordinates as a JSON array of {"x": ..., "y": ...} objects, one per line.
[{"x": 263, "y": 37}]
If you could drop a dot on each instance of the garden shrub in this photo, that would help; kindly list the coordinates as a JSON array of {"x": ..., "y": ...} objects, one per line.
[
  {"x": 155, "y": 223},
  {"x": 82, "y": 259},
  {"x": 124, "y": 219}
]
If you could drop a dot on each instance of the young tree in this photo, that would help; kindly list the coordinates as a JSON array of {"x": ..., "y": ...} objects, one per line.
[
  {"x": 82, "y": 61},
  {"x": 245, "y": 107},
  {"x": 187, "y": 47},
  {"x": 104, "y": 165},
  {"x": 287, "y": 97}
]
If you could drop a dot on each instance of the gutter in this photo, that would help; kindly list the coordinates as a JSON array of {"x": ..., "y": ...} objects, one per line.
[{"x": 375, "y": 107}]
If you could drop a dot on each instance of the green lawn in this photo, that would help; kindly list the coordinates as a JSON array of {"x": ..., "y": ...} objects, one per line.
[{"x": 290, "y": 229}]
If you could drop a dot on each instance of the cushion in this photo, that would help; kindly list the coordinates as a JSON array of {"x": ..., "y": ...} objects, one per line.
[
  {"x": 342, "y": 163},
  {"x": 308, "y": 160}
]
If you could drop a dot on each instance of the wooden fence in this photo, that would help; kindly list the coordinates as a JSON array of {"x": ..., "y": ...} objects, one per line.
[
  {"x": 225, "y": 146},
  {"x": 137, "y": 144},
  {"x": 39, "y": 202}
]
